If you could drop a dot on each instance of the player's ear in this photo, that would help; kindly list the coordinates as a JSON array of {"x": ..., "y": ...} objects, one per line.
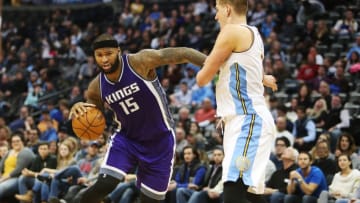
[{"x": 228, "y": 10}]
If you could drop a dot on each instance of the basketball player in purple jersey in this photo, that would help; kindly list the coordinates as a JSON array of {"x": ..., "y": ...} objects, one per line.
[{"x": 145, "y": 134}]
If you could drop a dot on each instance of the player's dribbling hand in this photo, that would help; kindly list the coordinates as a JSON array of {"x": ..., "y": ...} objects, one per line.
[
  {"x": 79, "y": 109},
  {"x": 270, "y": 81}
]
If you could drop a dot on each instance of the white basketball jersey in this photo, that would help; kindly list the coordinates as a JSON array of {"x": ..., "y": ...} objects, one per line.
[{"x": 239, "y": 89}]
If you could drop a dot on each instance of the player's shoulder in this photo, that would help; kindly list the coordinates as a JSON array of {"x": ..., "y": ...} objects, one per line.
[{"x": 233, "y": 30}]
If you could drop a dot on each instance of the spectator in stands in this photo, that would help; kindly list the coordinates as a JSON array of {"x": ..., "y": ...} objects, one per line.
[
  {"x": 4, "y": 149},
  {"x": 44, "y": 178},
  {"x": 347, "y": 25},
  {"x": 32, "y": 139},
  {"x": 288, "y": 30},
  {"x": 11, "y": 165},
  {"x": 322, "y": 33},
  {"x": 75, "y": 95},
  {"x": 27, "y": 179},
  {"x": 276, "y": 186},
  {"x": 258, "y": 15},
  {"x": 5, "y": 133},
  {"x": 47, "y": 126},
  {"x": 338, "y": 118},
  {"x": 344, "y": 185},
  {"x": 19, "y": 123},
  {"x": 206, "y": 113},
  {"x": 318, "y": 113},
  {"x": 304, "y": 130},
  {"x": 324, "y": 137},
  {"x": 182, "y": 96},
  {"x": 321, "y": 76},
  {"x": 339, "y": 84},
  {"x": 308, "y": 70},
  {"x": 346, "y": 145},
  {"x": 281, "y": 111},
  {"x": 181, "y": 142},
  {"x": 190, "y": 175},
  {"x": 281, "y": 130},
  {"x": 281, "y": 143},
  {"x": 325, "y": 160},
  {"x": 74, "y": 173},
  {"x": 306, "y": 182},
  {"x": 212, "y": 178},
  {"x": 184, "y": 118},
  {"x": 304, "y": 96},
  {"x": 324, "y": 91},
  {"x": 355, "y": 47},
  {"x": 280, "y": 72}
]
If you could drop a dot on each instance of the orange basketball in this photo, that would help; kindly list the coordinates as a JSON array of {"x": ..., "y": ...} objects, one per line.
[{"x": 90, "y": 125}]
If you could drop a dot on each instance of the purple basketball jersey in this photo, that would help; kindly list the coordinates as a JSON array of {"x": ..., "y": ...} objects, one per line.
[{"x": 140, "y": 106}]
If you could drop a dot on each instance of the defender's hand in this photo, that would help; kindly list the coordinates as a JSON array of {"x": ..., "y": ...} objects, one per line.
[
  {"x": 79, "y": 109},
  {"x": 270, "y": 81}
]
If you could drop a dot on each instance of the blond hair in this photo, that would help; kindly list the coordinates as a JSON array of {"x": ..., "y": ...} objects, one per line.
[{"x": 240, "y": 6}]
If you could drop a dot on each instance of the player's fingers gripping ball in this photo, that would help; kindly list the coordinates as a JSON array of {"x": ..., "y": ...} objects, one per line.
[{"x": 90, "y": 125}]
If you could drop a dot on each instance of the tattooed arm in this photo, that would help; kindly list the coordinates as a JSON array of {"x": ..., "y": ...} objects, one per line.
[{"x": 152, "y": 59}]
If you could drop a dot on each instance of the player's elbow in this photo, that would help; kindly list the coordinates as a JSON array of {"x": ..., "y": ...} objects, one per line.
[{"x": 201, "y": 81}]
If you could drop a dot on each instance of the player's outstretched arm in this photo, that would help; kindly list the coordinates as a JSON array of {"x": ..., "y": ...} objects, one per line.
[
  {"x": 152, "y": 58},
  {"x": 93, "y": 100}
]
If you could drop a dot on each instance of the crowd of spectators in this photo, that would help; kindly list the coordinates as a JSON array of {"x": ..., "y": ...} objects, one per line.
[{"x": 312, "y": 47}]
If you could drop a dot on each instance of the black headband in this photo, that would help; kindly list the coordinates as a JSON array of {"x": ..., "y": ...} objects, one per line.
[{"x": 105, "y": 44}]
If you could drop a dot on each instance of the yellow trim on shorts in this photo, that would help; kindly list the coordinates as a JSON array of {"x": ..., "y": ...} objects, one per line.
[
  {"x": 248, "y": 138},
  {"x": 238, "y": 88}
]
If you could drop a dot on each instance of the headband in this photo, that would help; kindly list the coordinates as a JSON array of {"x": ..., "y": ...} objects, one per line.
[{"x": 105, "y": 44}]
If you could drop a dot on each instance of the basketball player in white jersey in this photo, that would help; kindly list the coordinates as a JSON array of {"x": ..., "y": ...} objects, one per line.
[{"x": 249, "y": 127}]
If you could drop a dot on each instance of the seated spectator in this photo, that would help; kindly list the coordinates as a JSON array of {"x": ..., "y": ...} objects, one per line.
[
  {"x": 344, "y": 185},
  {"x": 338, "y": 83},
  {"x": 276, "y": 186},
  {"x": 346, "y": 145},
  {"x": 318, "y": 113},
  {"x": 27, "y": 179},
  {"x": 189, "y": 176},
  {"x": 281, "y": 130},
  {"x": 355, "y": 48},
  {"x": 41, "y": 188},
  {"x": 200, "y": 93},
  {"x": 4, "y": 149},
  {"x": 73, "y": 173},
  {"x": 212, "y": 178},
  {"x": 308, "y": 70},
  {"x": 48, "y": 127},
  {"x": 11, "y": 165},
  {"x": 325, "y": 160},
  {"x": 338, "y": 118},
  {"x": 206, "y": 113},
  {"x": 347, "y": 25},
  {"x": 182, "y": 96},
  {"x": 281, "y": 143},
  {"x": 281, "y": 111},
  {"x": 303, "y": 97},
  {"x": 304, "y": 130},
  {"x": 306, "y": 182}
]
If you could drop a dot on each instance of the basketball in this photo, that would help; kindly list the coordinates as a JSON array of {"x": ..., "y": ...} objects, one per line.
[{"x": 90, "y": 125}]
